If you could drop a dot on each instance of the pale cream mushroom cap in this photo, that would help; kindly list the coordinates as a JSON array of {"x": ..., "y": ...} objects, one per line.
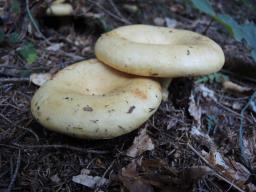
[
  {"x": 159, "y": 51},
  {"x": 60, "y": 9},
  {"x": 91, "y": 100}
]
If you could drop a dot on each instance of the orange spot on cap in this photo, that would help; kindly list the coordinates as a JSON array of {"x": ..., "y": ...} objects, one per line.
[{"x": 140, "y": 94}]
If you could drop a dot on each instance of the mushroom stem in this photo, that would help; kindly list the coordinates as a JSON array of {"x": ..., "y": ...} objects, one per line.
[{"x": 165, "y": 83}]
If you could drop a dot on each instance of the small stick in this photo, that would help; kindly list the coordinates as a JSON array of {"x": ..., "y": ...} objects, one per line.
[
  {"x": 8, "y": 80},
  {"x": 34, "y": 23},
  {"x": 9, "y": 189},
  {"x": 117, "y": 10},
  {"x": 109, "y": 13},
  {"x": 232, "y": 111},
  {"x": 208, "y": 26},
  {"x": 59, "y": 146},
  {"x": 105, "y": 173}
]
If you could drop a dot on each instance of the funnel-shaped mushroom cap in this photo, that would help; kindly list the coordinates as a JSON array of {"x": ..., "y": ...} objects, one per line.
[
  {"x": 159, "y": 51},
  {"x": 91, "y": 100}
]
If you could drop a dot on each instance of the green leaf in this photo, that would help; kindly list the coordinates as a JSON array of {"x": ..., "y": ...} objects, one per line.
[
  {"x": 231, "y": 25},
  {"x": 211, "y": 78},
  {"x": 15, "y": 6},
  {"x": 204, "y": 6},
  {"x": 14, "y": 38},
  {"x": 29, "y": 53}
]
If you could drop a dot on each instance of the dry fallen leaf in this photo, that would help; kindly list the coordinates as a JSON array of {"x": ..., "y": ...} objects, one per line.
[
  {"x": 89, "y": 181},
  {"x": 55, "y": 47},
  {"x": 141, "y": 143},
  {"x": 40, "y": 78},
  {"x": 143, "y": 176}
]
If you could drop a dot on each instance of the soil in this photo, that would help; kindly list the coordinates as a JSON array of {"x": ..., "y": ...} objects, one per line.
[{"x": 33, "y": 158}]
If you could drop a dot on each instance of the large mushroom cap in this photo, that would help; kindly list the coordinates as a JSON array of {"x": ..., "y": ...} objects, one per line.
[
  {"x": 159, "y": 51},
  {"x": 91, "y": 100}
]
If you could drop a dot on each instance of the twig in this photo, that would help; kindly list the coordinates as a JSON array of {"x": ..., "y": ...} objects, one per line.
[
  {"x": 208, "y": 26},
  {"x": 14, "y": 174},
  {"x": 59, "y": 146},
  {"x": 232, "y": 111},
  {"x": 115, "y": 8},
  {"x": 117, "y": 11},
  {"x": 238, "y": 76},
  {"x": 34, "y": 23},
  {"x": 72, "y": 55},
  {"x": 109, "y": 167},
  {"x": 8, "y": 80},
  {"x": 105, "y": 173},
  {"x": 216, "y": 173},
  {"x": 109, "y": 13},
  {"x": 31, "y": 131},
  {"x": 241, "y": 131},
  {"x": 9, "y": 146}
]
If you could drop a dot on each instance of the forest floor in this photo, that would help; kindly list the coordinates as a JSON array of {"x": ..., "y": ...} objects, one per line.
[{"x": 201, "y": 139}]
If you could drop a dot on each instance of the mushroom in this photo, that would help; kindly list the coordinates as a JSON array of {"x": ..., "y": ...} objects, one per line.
[
  {"x": 159, "y": 52},
  {"x": 59, "y": 8},
  {"x": 91, "y": 100}
]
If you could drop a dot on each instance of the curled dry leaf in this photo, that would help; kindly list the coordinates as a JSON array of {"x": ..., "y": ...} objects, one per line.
[
  {"x": 194, "y": 110},
  {"x": 229, "y": 85},
  {"x": 140, "y": 144},
  {"x": 40, "y": 78}
]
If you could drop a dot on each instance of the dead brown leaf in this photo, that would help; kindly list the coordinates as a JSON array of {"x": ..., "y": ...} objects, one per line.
[
  {"x": 129, "y": 176},
  {"x": 150, "y": 174},
  {"x": 140, "y": 144}
]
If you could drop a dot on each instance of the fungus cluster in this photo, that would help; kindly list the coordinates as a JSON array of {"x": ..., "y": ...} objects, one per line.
[{"x": 116, "y": 93}]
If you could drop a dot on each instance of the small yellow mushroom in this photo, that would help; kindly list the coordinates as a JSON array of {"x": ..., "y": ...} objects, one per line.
[
  {"x": 60, "y": 9},
  {"x": 159, "y": 52}
]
